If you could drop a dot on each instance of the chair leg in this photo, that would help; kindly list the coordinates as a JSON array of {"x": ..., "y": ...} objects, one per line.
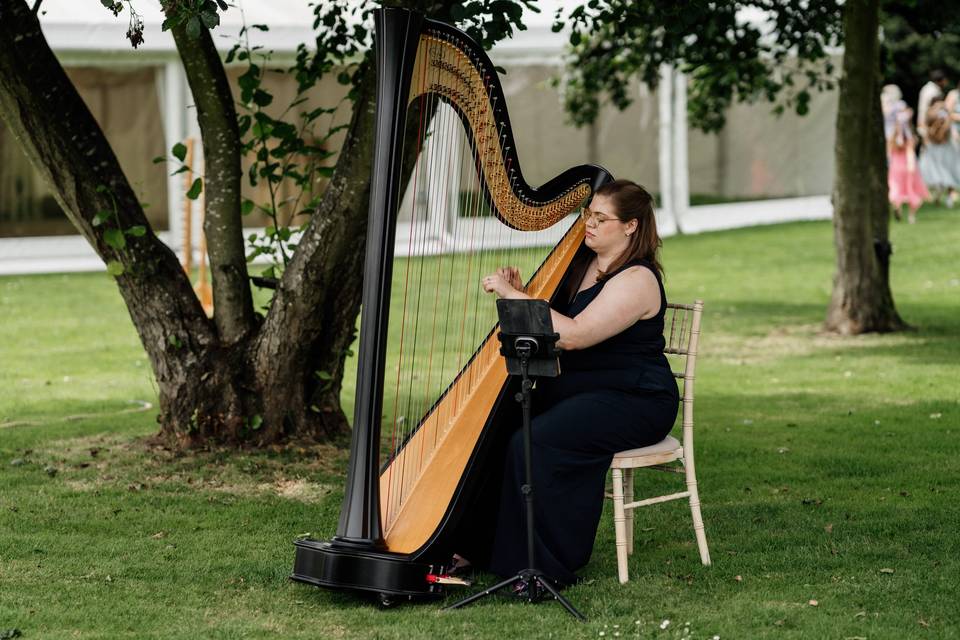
[
  {"x": 695, "y": 512},
  {"x": 619, "y": 526},
  {"x": 628, "y": 498}
]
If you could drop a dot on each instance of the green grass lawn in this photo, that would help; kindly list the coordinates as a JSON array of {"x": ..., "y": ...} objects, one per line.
[{"x": 828, "y": 469}]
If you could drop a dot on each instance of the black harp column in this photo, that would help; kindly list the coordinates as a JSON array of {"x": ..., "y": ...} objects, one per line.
[{"x": 397, "y": 37}]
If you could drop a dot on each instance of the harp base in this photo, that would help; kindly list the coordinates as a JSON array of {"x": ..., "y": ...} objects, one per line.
[{"x": 327, "y": 564}]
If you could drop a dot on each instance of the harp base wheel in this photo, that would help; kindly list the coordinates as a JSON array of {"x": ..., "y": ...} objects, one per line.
[
  {"x": 391, "y": 577},
  {"x": 388, "y": 601}
]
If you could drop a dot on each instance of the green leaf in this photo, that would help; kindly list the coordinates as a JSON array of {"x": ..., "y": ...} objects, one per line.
[
  {"x": 210, "y": 19},
  {"x": 179, "y": 151},
  {"x": 159, "y": 160},
  {"x": 174, "y": 341},
  {"x": 246, "y": 208},
  {"x": 256, "y": 422},
  {"x": 195, "y": 189},
  {"x": 182, "y": 169},
  {"x": 262, "y": 98},
  {"x": 137, "y": 231},
  {"x": 323, "y": 375},
  {"x": 114, "y": 238},
  {"x": 262, "y": 129},
  {"x": 222, "y": 4},
  {"x": 101, "y": 217},
  {"x": 193, "y": 27},
  {"x": 114, "y": 268}
]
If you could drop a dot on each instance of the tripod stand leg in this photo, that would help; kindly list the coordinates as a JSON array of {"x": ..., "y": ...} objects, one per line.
[
  {"x": 563, "y": 601},
  {"x": 485, "y": 592}
]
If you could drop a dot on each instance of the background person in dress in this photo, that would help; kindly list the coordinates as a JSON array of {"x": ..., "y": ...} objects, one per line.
[
  {"x": 934, "y": 89},
  {"x": 905, "y": 186},
  {"x": 939, "y": 158},
  {"x": 952, "y": 103}
]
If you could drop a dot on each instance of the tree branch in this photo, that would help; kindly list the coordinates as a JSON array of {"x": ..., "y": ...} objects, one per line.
[
  {"x": 233, "y": 302},
  {"x": 36, "y": 6}
]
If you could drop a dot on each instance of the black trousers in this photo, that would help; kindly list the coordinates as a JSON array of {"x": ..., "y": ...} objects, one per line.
[{"x": 573, "y": 443}]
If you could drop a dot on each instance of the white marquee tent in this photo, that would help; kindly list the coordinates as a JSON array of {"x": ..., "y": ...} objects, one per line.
[{"x": 84, "y": 33}]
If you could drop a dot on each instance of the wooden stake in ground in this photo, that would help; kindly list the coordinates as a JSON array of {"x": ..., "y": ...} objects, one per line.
[
  {"x": 187, "y": 260},
  {"x": 203, "y": 288}
]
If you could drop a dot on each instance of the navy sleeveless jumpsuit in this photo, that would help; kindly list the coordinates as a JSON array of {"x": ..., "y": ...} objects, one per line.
[{"x": 616, "y": 395}]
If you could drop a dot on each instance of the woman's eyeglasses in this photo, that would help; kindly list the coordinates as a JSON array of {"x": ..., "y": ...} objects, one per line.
[{"x": 598, "y": 218}]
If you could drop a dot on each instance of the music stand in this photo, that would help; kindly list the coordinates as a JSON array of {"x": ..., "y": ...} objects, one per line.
[{"x": 529, "y": 345}]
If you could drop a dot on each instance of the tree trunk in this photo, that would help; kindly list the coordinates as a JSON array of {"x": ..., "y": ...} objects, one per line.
[
  {"x": 227, "y": 383},
  {"x": 197, "y": 386},
  {"x": 861, "y": 300},
  {"x": 223, "y": 226}
]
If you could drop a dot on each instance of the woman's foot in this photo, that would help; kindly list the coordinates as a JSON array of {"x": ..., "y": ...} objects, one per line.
[
  {"x": 459, "y": 566},
  {"x": 521, "y": 589}
]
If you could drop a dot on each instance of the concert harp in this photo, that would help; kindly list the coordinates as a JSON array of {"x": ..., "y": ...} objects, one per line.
[{"x": 419, "y": 481}]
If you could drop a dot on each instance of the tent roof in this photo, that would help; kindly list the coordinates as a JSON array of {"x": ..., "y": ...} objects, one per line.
[{"x": 86, "y": 26}]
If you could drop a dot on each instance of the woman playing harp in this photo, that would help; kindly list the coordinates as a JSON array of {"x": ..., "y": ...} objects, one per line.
[
  {"x": 432, "y": 406},
  {"x": 615, "y": 391}
]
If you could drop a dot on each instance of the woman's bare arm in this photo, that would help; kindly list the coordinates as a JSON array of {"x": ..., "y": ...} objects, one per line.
[{"x": 629, "y": 296}]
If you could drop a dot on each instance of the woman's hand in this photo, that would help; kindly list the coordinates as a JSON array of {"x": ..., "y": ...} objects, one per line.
[
  {"x": 505, "y": 282},
  {"x": 512, "y": 276}
]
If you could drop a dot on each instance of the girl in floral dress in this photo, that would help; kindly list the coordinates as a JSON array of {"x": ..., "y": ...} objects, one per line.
[{"x": 904, "y": 183}]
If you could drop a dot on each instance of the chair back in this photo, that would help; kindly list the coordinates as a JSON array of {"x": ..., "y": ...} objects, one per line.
[{"x": 681, "y": 334}]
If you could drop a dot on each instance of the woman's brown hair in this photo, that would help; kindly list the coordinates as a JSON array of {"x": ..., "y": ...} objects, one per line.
[{"x": 633, "y": 202}]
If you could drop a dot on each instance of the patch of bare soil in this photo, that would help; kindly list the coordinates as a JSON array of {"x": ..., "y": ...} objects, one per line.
[{"x": 305, "y": 473}]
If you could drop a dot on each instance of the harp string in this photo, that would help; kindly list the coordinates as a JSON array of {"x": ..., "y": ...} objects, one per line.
[
  {"x": 437, "y": 201},
  {"x": 484, "y": 258},
  {"x": 454, "y": 133},
  {"x": 416, "y": 367},
  {"x": 395, "y": 435},
  {"x": 412, "y": 461},
  {"x": 409, "y": 463}
]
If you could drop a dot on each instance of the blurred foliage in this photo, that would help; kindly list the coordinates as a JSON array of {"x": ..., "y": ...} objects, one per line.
[
  {"x": 728, "y": 50},
  {"x": 918, "y": 37},
  {"x": 731, "y": 54}
]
